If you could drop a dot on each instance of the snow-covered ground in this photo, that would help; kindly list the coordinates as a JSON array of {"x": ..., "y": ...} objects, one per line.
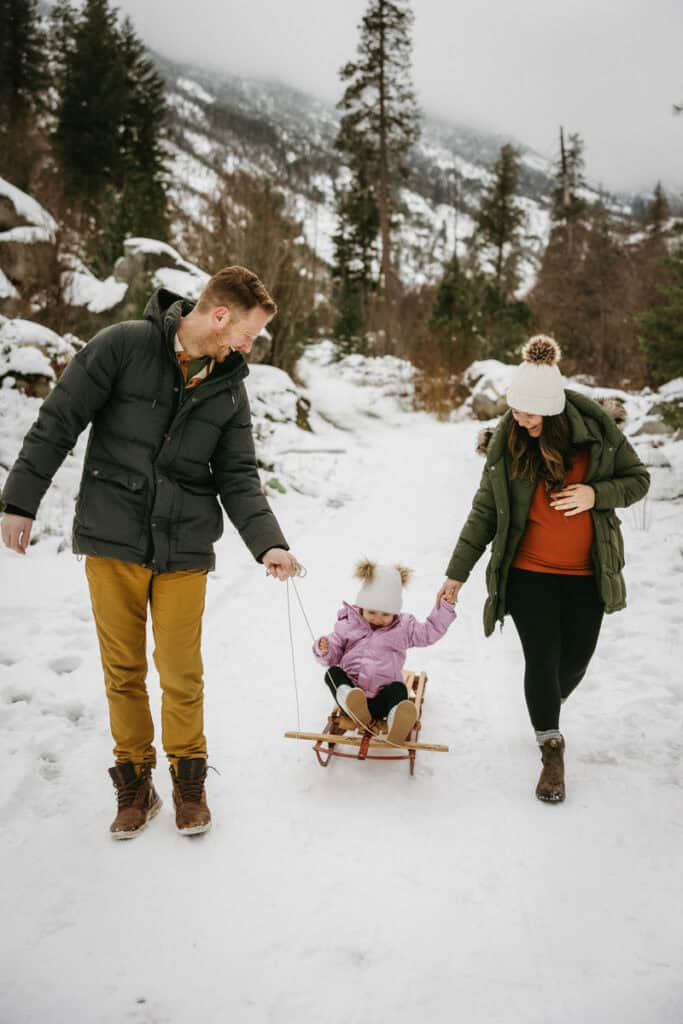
[{"x": 355, "y": 893}]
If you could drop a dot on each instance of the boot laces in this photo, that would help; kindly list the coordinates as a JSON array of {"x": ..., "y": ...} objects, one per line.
[
  {"x": 127, "y": 792},
  {"x": 192, "y": 789}
]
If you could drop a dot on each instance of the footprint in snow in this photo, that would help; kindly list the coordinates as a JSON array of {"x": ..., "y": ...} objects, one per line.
[
  {"x": 65, "y": 664},
  {"x": 18, "y": 697},
  {"x": 49, "y": 766},
  {"x": 7, "y": 659},
  {"x": 74, "y": 711}
]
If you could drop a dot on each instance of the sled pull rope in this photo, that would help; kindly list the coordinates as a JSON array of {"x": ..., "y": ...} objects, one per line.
[
  {"x": 303, "y": 611},
  {"x": 291, "y": 651}
]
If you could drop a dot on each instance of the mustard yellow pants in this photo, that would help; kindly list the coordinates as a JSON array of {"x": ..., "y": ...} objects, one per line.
[{"x": 120, "y": 593}]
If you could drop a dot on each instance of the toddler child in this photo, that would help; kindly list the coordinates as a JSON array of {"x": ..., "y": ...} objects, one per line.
[{"x": 366, "y": 652}]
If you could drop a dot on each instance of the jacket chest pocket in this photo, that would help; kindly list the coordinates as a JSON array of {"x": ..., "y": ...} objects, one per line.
[{"x": 112, "y": 504}]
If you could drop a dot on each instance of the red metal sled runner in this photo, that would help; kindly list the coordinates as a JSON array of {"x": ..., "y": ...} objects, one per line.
[{"x": 364, "y": 740}]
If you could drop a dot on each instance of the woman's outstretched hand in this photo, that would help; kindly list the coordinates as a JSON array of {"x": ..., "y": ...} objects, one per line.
[
  {"x": 573, "y": 499},
  {"x": 323, "y": 645},
  {"x": 449, "y": 592}
]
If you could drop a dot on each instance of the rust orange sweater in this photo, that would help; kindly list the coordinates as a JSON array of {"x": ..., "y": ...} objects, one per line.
[{"x": 553, "y": 542}]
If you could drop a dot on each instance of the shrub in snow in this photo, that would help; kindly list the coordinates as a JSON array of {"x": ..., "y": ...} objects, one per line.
[{"x": 32, "y": 356}]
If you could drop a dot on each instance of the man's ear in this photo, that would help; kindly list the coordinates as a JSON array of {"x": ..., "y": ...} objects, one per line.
[{"x": 221, "y": 314}]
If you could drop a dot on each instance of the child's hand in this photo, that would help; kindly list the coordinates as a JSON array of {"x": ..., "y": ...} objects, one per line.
[
  {"x": 323, "y": 645},
  {"x": 449, "y": 592}
]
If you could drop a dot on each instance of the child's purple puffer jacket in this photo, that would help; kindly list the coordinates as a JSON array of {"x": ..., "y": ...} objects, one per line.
[{"x": 374, "y": 657}]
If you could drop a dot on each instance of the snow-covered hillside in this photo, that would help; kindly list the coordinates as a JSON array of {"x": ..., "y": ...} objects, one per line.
[
  {"x": 352, "y": 893},
  {"x": 224, "y": 123}
]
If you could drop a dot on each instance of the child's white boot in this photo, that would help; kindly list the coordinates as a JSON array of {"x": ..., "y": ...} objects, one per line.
[
  {"x": 400, "y": 721},
  {"x": 352, "y": 700}
]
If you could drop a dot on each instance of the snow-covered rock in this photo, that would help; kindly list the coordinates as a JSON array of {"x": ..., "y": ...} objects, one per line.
[
  {"x": 488, "y": 380},
  {"x": 17, "y": 209},
  {"x": 32, "y": 356},
  {"x": 80, "y": 287},
  {"x": 147, "y": 260}
]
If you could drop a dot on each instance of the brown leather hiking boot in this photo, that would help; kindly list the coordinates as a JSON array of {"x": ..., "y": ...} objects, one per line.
[
  {"x": 551, "y": 783},
  {"x": 192, "y": 815},
  {"x": 137, "y": 799}
]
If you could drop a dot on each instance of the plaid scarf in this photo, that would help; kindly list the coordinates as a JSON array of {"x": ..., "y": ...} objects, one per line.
[{"x": 194, "y": 370}]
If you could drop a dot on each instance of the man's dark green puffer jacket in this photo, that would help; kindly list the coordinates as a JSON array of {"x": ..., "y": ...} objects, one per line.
[
  {"x": 501, "y": 506},
  {"x": 157, "y": 457}
]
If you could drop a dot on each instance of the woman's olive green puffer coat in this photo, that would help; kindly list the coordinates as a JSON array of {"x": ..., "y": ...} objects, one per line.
[{"x": 501, "y": 506}]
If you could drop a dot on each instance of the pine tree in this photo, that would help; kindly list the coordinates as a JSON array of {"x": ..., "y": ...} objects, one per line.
[
  {"x": 109, "y": 127},
  {"x": 558, "y": 298},
  {"x": 92, "y": 101},
  {"x": 661, "y": 327},
  {"x": 499, "y": 224},
  {"x": 380, "y": 123},
  {"x": 141, "y": 184},
  {"x": 497, "y": 243},
  {"x": 567, "y": 203},
  {"x": 456, "y": 318},
  {"x": 24, "y": 79},
  {"x": 658, "y": 212},
  {"x": 355, "y": 243}
]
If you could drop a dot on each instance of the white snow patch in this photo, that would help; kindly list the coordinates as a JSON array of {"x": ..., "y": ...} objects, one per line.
[
  {"x": 80, "y": 287},
  {"x": 184, "y": 278},
  {"x": 201, "y": 144},
  {"x": 179, "y": 281},
  {"x": 28, "y": 208},
  {"x": 7, "y": 289},
  {"x": 196, "y": 90},
  {"x": 187, "y": 109},
  {"x": 20, "y": 332},
  {"x": 27, "y": 235}
]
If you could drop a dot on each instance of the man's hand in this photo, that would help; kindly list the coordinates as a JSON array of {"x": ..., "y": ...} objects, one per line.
[
  {"x": 449, "y": 592},
  {"x": 16, "y": 532},
  {"x": 573, "y": 499},
  {"x": 323, "y": 645},
  {"x": 280, "y": 563}
]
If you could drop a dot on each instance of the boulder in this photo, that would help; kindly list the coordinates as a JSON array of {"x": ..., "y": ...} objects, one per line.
[{"x": 32, "y": 356}]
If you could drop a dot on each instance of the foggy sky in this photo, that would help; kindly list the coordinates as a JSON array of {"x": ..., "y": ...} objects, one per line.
[{"x": 608, "y": 69}]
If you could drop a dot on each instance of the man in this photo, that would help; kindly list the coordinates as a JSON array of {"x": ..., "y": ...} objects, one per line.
[{"x": 171, "y": 432}]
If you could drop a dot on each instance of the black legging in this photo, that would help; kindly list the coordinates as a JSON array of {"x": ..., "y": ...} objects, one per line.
[
  {"x": 558, "y": 619},
  {"x": 381, "y": 704}
]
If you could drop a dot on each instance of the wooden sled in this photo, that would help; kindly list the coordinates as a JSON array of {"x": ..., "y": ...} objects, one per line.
[{"x": 338, "y": 725}]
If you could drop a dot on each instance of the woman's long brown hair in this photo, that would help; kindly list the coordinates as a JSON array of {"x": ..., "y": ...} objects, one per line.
[{"x": 547, "y": 457}]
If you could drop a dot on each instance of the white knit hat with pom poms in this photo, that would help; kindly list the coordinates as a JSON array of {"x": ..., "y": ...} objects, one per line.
[
  {"x": 382, "y": 586},
  {"x": 537, "y": 386}
]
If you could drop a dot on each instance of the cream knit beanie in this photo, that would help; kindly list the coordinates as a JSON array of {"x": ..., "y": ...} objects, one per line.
[
  {"x": 382, "y": 586},
  {"x": 537, "y": 386}
]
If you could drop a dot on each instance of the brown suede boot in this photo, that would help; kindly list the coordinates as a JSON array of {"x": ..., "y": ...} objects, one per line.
[
  {"x": 192, "y": 815},
  {"x": 138, "y": 800},
  {"x": 551, "y": 783}
]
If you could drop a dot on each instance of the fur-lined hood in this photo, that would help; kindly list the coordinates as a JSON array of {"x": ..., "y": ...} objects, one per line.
[{"x": 608, "y": 409}]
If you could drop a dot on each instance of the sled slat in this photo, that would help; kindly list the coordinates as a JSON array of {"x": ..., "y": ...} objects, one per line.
[{"x": 355, "y": 741}]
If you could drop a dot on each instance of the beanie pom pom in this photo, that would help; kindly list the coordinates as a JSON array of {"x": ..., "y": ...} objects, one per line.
[
  {"x": 542, "y": 350},
  {"x": 404, "y": 573},
  {"x": 365, "y": 570}
]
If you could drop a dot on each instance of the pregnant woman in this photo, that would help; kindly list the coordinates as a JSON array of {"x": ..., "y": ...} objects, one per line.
[{"x": 556, "y": 468}]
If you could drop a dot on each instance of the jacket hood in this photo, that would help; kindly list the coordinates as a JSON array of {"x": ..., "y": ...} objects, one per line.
[
  {"x": 608, "y": 415},
  {"x": 164, "y": 310}
]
